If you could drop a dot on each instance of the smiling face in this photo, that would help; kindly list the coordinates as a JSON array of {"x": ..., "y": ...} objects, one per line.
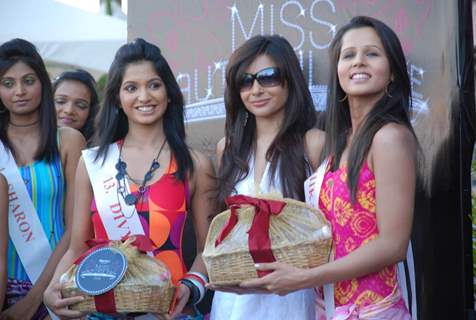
[
  {"x": 73, "y": 104},
  {"x": 266, "y": 101},
  {"x": 143, "y": 95},
  {"x": 363, "y": 68},
  {"x": 20, "y": 90}
]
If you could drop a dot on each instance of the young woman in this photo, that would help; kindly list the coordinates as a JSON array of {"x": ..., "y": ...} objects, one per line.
[
  {"x": 148, "y": 168},
  {"x": 368, "y": 187},
  {"x": 269, "y": 114},
  {"x": 76, "y": 101},
  {"x": 3, "y": 237},
  {"x": 39, "y": 162}
]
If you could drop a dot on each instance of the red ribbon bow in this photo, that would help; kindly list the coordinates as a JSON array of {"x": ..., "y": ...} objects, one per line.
[
  {"x": 106, "y": 302},
  {"x": 259, "y": 242}
]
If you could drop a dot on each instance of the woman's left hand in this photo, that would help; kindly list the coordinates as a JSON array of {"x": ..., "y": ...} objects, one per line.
[
  {"x": 23, "y": 309},
  {"x": 182, "y": 299},
  {"x": 283, "y": 280}
]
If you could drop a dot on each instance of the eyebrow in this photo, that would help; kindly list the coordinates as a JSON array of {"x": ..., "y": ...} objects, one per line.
[
  {"x": 367, "y": 47},
  {"x": 66, "y": 96},
  {"x": 26, "y": 75},
  {"x": 134, "y": 82}
]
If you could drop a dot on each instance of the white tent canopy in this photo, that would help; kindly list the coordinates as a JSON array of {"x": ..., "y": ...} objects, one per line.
[{"x": 63, "y": 34}]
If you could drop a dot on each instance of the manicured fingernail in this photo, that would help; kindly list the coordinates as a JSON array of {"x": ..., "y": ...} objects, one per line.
[{"x": 256, "y": 265}]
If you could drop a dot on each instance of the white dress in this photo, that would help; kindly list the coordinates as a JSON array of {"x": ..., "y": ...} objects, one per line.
[{"x": 299, "y": 305}]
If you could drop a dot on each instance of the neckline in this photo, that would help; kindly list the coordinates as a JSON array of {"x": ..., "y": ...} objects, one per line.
[
  {"x": 263, "y": 178},
  {"x": 165, "y": 173},
  {"x": 162, "y": 176},
  {"x": 365, "y": 166}
]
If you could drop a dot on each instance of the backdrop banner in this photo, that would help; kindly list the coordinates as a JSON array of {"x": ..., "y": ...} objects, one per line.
[{"x": 197, "y": 38}]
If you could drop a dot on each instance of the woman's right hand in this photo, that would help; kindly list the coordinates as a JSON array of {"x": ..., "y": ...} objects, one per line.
[{"x": 53, "y": 300}]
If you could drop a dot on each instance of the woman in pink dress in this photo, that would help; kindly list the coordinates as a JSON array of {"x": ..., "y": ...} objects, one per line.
[{"x": 368, "y": 184}]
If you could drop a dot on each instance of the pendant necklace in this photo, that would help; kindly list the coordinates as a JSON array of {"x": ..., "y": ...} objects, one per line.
[{"x": 121, "y": 167}]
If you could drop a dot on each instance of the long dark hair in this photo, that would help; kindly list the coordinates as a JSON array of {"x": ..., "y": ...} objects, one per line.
[
  {"x": 112, "y": 122},
  {"x": 392, "y": 107},
  {"x": 19, "y": 50},
  {"x": 84, "y": 77},
  {"x": 287, "y": 149}
]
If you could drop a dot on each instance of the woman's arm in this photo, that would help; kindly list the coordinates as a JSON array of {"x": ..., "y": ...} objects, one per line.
[
  {"x": 202, "y": 187},
  {"x": 313, "y": 146},
  {"x": 219, "y": 151},
  {"x": 203, "y": 204},
  {"x": 81, "y": 231},
  {"x": 393, "y": 160},
  {"x": 3, "y": 237}
]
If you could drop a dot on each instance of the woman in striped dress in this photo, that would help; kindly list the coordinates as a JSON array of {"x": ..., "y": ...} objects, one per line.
[{"x": 46, "y": 159}]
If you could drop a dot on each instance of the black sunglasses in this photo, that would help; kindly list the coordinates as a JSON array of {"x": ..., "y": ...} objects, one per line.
[{"x": 268, "y": 77}]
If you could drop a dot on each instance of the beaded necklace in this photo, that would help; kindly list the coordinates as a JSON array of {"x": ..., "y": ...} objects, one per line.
[{"x": 121, "y": 167}]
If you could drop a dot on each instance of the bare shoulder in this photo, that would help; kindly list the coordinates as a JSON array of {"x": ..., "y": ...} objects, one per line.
[
  {"x": 394, "y": 134},
  {"x": 221, "y": 146},
  {"x": 392, "y": 143},
  {"x": 219, "y": 150},
  {"x": 71, "y": 138},
  {"x": 314, "y": 139},
  {"x": 201, "y": 162},
  {"x": 314, "y": 143}
]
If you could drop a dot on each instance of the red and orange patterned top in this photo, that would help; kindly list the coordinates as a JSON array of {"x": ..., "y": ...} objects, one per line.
[
  {"x": 352, "y": 226},
  {"x": 162, "y": 211}
]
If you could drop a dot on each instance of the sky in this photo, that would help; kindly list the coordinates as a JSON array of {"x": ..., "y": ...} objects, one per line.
[{"x": 90, "y": 5}]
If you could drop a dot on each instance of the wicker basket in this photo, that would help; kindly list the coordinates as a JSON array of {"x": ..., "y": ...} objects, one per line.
[
  {"x": 146, "y": 286},
  {"x": 300, "y": 236}
]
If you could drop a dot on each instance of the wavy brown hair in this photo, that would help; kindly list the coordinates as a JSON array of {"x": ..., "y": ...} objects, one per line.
[{"x": 287, "y": 149}]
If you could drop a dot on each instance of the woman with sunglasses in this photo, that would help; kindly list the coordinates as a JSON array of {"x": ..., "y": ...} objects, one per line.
[{"x": 269, "y": 114}]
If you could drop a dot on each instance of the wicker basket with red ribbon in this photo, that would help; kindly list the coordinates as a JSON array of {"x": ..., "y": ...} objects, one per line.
[
  {"x": 258, "y": 230},
  {"x": 146, "y": 285}
]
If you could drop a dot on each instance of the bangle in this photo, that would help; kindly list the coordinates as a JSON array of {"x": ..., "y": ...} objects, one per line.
[
  {"x": 200, "y": 287},
  {"x": 194, "y": 291},
  {"x": 203, "y": 277},
  {"x": 199, "y": 280}
]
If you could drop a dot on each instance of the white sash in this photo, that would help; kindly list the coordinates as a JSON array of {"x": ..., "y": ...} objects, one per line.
[
  {"x": 119, "y": 219},
  {"x": 402, "y": 281},
  {"x": 312, "y": 189},
  {"x": 24, "y": 225}
]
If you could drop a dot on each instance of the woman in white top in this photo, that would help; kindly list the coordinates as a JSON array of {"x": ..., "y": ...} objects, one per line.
[{"x": 269, "y": 116}]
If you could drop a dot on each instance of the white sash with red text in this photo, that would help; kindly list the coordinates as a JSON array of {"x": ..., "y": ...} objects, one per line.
[
  {"x": 119, "y": 219},
  {"x": 312, "y": 190},
  {"x": 24, "y": 225}
]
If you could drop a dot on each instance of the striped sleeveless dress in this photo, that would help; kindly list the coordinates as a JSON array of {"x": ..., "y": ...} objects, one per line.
[{"x": 45, "y": 183}]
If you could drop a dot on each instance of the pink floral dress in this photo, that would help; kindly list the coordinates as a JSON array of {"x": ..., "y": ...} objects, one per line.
[{"x": 373, "y": 296}]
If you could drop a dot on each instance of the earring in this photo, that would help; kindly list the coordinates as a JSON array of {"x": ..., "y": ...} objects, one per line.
[
  {"x": 246, "y": 118},
  {"x": 344, "y": 98},
  {"x": 386, "y": 90}
]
